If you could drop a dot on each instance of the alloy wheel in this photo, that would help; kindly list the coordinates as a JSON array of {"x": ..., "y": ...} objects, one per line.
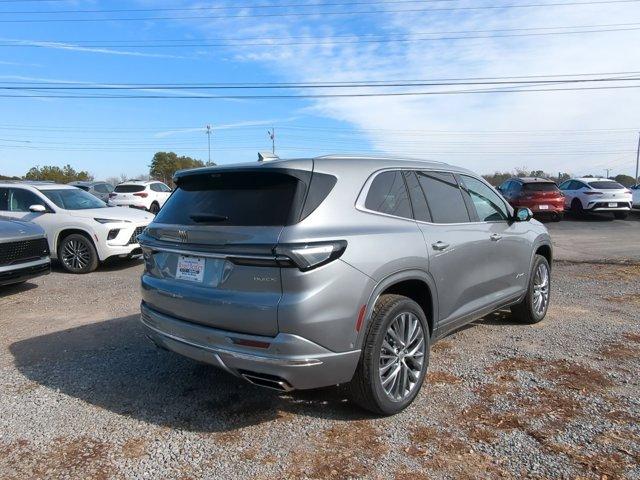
[
  {"x": 541, "y": 289},
  {"x": 402, "y": 356},
  {"x": 76, "y": 255}
]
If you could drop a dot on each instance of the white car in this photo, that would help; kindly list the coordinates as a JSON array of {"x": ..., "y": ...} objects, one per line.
[
  {"x": 596, "y": 195},
  {"x": 144, "y": 195},
  {"x": 81, "y": 229},
  {"x": 635, "y": 192}
]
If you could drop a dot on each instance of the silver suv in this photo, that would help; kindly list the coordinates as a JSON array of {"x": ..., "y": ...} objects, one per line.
[{"x": 298, "y": 274}]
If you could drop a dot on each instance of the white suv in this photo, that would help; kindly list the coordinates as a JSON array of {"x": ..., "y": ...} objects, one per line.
[
  {"x": 82, "y": 231},
  {"x": 145, "y": 195},
  {"x": 596, "y": 195}
]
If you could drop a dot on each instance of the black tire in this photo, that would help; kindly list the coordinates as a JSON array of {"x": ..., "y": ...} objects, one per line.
[
  {"x": 576, "y": 207},
  {"x": 526, "y": 311},
  {"x": 365, "y": 389},
  {"x": 620, "y": 215},
  {"x": 558, "y": 217},
  {"x": 154, "y": 208},
  {"x": 77, "y": 254}
]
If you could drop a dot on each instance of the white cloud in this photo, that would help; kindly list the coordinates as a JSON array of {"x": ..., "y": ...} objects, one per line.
[{"x": 496, "y": 114}]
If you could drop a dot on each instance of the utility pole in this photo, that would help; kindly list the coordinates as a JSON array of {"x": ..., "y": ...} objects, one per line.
[
  {"x": 637, "y": 160},
  {"x": 272, "y": 136},
  {"x": 607, "y": 170},
  {"x": 209, "y": 132}
]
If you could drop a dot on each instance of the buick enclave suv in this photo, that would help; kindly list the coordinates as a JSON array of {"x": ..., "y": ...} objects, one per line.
[{"x": 297, "y": 274}]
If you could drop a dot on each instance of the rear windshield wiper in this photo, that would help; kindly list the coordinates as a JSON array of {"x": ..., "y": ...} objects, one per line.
[{"x": 208, "y": 217}]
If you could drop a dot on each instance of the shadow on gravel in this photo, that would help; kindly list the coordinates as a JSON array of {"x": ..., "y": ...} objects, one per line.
[
  {"x": 9, "y": 290},
  {"x": 114, "y": 366},
  {"x": 109, "y": 265}
]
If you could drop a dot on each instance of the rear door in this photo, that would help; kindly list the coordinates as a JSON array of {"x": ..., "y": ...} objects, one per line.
[
  {"x": 458, "y": 250},
  {"x": 209, "y": 252}
]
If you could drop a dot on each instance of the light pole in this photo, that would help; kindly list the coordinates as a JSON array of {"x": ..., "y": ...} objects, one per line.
[
  {"x": 637, "y": 159},
  {"x": 272, "y": 136},
  {"x": 209, "y": 132},
  {"x": 607, "y": 170}
]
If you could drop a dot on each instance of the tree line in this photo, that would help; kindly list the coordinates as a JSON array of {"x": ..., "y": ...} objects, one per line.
[{"x": 165, "y": 164}]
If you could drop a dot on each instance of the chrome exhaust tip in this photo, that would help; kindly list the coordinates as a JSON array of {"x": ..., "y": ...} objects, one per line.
[{"x": 267, "y": 381}]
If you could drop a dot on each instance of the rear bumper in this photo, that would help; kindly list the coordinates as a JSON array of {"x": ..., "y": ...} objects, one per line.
[
  {"x": 295, "y": 361},
  {"x": 21, "y": 272},
  {"x": 603, "y": 206}
]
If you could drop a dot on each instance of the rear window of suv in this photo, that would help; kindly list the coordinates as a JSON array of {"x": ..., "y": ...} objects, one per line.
[
  {"x": 540, "y": 187},
  {"x": 604, "y": 185},
  {"x": 245, "y": 198},
  {"x": 129, "y": 188}
]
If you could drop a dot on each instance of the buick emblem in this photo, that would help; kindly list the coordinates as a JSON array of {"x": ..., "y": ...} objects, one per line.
[{"x": 183, "y": 236}]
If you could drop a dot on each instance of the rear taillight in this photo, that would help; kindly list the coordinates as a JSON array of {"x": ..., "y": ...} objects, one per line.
[
  {"x": 628, "y": 191},
  {"x": 593, "y": 193},
  {"x": 141, "y": 194},
  {"x": 307, "y": 256},
  {"x": 111, "y": 195}
]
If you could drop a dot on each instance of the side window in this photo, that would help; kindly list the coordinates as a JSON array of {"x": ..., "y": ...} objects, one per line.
[
  {"x": 155, "y": 187},
  {"x": 444, "y": 197},
  {"x": 487, "y": 203},
  {"x": 419, "y": 203},
  {"x": 164, "y": 188},
  {"x": 20, "y": 200},
  {"x": 4, "y": 199},
  {"x": 388, "y": 194},
  {"x": 566, "y": 185},
  {"x": 516, "y": 187},
  {"x": 505, "y": 186},
  {"x": 101, "y": 188}
]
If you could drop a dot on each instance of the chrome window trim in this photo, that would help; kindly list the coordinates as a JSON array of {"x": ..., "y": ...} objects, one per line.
[
  {"x": 364, "y": 191},
  {"x": 197, "y": 253}
]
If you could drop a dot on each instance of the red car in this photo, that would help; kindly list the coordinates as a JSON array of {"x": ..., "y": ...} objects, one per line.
[{"x": 540, "y": 195}]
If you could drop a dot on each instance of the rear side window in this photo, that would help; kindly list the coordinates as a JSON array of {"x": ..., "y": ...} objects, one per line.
[
  {"x": 604, "y": 185},
  {"x": 129, "y": 188},
  {"x": 82, "y": 187},
  {"x": 235, "y": 198},
  {"x": 444, "y": 197},
  {"x": 540, "y": 187},
  {"x": 388, "y": 194}
]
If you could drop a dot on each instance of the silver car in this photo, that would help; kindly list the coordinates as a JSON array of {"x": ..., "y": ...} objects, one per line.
[
  {"x": 24, "y": 251},
  {"x": 298, "y": 274}
]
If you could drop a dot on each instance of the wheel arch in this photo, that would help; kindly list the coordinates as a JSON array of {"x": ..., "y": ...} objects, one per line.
[
  {"x": 65, "y": 232},
  {"x": 414, "y": 284}
]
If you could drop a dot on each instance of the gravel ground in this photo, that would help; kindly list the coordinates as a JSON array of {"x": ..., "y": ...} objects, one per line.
[{"x": 84, "y": 395}]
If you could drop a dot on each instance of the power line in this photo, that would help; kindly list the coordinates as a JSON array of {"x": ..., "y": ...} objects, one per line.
[
  {"x": 306, "y": 14},
  {"x": 336, "y": 95},
  {"x": 226, "y": 7},
  {"x": 46, "y": 86},
  {"x": 324, "y": 41}
]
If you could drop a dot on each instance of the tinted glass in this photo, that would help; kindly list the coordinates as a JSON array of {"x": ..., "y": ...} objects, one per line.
[
  {"x": 540, "y": 187},
  {"x": 73, "y": 199},
  {"x": 164, "y": 188},
  {"x": 487, "y": 203},
  {"x": 444, "y": 197},
  {"x": 155, "y": 187},
  {"x": 82, "y": 187},
  {"x": 129, "y": 188},
  {"x": 419, "y": 203},
  {"x": 606, "y": 185},
  {"x": 388, "y": 194},
  {"x": 101, "y": 187},
  {"x": 565, "y": 185},
  {"x": 233, "y": 198},
  {"x": 18, "y": 200}
]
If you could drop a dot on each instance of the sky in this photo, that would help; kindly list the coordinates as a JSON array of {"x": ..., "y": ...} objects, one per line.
[{"x": 96, "y": 43}]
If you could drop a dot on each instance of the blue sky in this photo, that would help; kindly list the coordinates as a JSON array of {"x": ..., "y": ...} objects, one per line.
[{"x": 578, "y": 131}]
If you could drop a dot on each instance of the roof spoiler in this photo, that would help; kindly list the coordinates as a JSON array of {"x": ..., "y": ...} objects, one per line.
[{"x": 267, "y": 157}]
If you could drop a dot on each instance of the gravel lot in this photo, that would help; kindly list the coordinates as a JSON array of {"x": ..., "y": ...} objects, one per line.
[{"x": 84, "y": 395}]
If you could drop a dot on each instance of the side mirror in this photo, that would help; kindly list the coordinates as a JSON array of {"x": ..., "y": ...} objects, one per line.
[
  {"x": 38, "y": 209},
  {"x": 522, "y": 214}
]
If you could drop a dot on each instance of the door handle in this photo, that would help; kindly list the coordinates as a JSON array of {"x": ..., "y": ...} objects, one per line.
[
  {"x": 495, "y": 237},
  {"x": 439, "y": 245}
]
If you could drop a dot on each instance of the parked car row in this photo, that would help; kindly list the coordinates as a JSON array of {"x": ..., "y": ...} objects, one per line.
[
  {"x": 81, "y": 230},
  {"x": 577, "y": 195}
]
